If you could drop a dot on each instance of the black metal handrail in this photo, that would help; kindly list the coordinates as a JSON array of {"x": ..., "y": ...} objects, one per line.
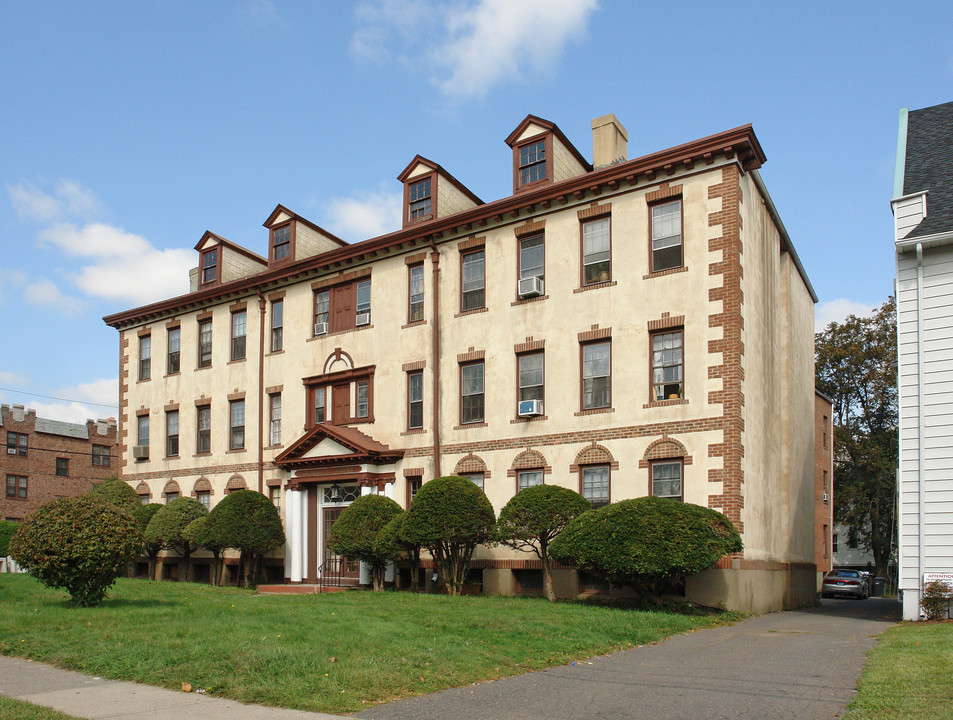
[{"x": 330, "y": 573}]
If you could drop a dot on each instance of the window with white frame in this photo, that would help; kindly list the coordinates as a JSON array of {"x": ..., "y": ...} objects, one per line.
[
  {"x": 596, "y": 265},
  {"x": 595, "y": 484},
  {"x": 596, "y": 375},
  {"x": 361, "y": 398},
  {"x": 277, "y": 325},
  {"x": 667, "y": 365},
  {"x": 205, "y": 343},
  {"x": 172, "y": 433},
  {"x": 472, "y": 393},
  {"x": 203, "y": 429},
  {"x": 274, "y": 420},
  {"x": 530, "y": 370},
  {"x": 532, "y": 257},
  {"x": 364, "y": 299},
  {"x": 529, "y": 478},
  {"x": 239, "y": 331},
  {"x": 667, "y": 235},
  {"x": 145, "y": 357},
  {"x": 415, "y": 311},
  {"x": 415, "y": 400},
  {"x": 473, "y": 280},
  {"x": 172, "y": 360},
  {"x": 667, "y": 479},
  {"x": 236, "y": 425},
  {"x": 475, "y": 477}
]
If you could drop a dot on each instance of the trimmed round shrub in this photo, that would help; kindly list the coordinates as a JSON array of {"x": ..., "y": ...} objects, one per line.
[
  {"x": 80, "y": 544},
  {"x": 536, "y": 515},
  {"x": 116, "y": 492},
  {"x": 392, "y": 541},
  {"x": 167, "y": 527},
  {"x": 7, "y": 528},
  {"x": 354, "y": 534},
  {"x": 151, "y": 549},
  {"x": 199, "y": 532},
  {"x": 646, "y": 543},
  {"x": 450, "y": 516},
  {"x": 248, "y": 522}
]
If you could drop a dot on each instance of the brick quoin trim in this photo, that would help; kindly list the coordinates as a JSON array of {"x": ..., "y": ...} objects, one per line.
[
  {"x": 123, "y": 401},
  {"x": 731, "y": 346}
]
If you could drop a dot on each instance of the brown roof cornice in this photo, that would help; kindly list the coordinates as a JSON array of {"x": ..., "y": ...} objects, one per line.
[{"x": 739, "y": 143}]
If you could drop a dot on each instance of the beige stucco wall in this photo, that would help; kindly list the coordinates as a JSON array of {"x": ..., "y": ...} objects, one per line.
[
  {"x": 236, "y": 266},
  {"x": 309, "y": 241},
  {"x": 449, "y": 198}
]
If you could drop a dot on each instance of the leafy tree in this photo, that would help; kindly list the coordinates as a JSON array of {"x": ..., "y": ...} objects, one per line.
[
  {"x": 80, "y": 544},
  {"x": 167, "y": 528},
  {"x": 647, "y": 543},
  {"x": 7, "y": 528},
  {"x": 199, "y": 531},
  {"x": 248, "y": 522},
  {"x": 536, "y": 515},
  {"x": 856, "y": 366},
  {"x": 392, "y": 540},
  {"x": 450, "y": 516},
  {"x": 116, "y": 492},
  {"x": 354, "y": 534},
  {"x": 151, "y": 549}
]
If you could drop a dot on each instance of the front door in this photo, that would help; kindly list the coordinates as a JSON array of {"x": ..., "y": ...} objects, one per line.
[{"x": 349, "y": 568}]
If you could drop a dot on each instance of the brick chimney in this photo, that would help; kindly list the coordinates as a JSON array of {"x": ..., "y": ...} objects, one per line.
[{"x": 609, "y": 141}]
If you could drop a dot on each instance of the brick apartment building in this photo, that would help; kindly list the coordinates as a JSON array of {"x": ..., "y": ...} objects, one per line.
[
  {"x": 48, "y": 459},
  {"x": 823, "y": 486},
  {"x": 622, "y": 328}
]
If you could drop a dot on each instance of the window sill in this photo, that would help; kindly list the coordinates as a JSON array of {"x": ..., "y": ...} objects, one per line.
[
  {"x": 171, "y": 457},
  {"x": 474, "y": 311},
  {"x": 526, "y": 301},
  {"x": 665, "y": 403},
  {"x": 594, "y": 411},
  {"x": 536, "y": 418},
  {"x": 236, "y": 451},
  {"x": 204, "y": 453},
  {"x": 467, "y": 426},
  {"x": 414, "y": 431},
  {"x": 275, "y": 352},
  {"x": 273, "y": 447},
  {"x": 172, "y": 374},
  {"x": 595, "y": 286},
  {"x": 203, "y": 367},
  {"x": 236, "y": 360},
  {"x": 670, "y": 271},
  {"x": 143, "y": 380},
  {"x": 415, "y": 323}
]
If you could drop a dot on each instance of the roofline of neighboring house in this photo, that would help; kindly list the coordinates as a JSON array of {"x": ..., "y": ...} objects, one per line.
[
  {"x": 907, "y": 244},
  {"x": 823, "y": 395},
  {"x": 787, "y": 245},
  {"x": 901, "y": 164},
  {"x": 738, "y": 145}
]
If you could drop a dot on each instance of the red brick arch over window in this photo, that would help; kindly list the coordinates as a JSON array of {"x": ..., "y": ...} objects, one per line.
[
  {"x": 171, "y": 487},
  {"x": 471, "y": 464},
  {"x": 529, "y": 460},
  {"x": 201, "y": 485},
  {"x": 665, "y": 448},
  {"x": 594, "y": 454},
  {"x": 235, "y": 482},
  {"x": 143, "y": 489}
]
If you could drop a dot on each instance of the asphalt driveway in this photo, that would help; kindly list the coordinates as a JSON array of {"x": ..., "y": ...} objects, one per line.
[{"x": 795, "y": 665}]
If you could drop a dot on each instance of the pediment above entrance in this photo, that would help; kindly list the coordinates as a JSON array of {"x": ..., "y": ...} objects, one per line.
[{"x": 329, "y": 446}]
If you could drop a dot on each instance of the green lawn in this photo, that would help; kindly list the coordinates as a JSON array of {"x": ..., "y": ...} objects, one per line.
[
  {"x": 337, "y": 652},
  {"x": 908, "y": 675},
  {"x": 11, "y": 709}
]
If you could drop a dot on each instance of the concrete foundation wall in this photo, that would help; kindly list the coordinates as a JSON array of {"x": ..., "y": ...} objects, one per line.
[{"x": 754, "y": 591}]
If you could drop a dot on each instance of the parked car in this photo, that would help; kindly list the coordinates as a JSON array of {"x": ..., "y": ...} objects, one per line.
[{"x": 849, "y": 583}]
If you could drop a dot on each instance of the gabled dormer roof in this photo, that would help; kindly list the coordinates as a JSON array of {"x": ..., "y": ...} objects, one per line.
[
  {"x": 282, "y": 214},
  {"x": 209, "y": 239},
  {"x": 419, "y": 162},
  {"x": 546, "y": 126},
  {"x": 333, "y": 445}
]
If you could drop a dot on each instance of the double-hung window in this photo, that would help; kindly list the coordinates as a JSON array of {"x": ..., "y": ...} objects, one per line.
[
  {"x": 420, "y": 200},
  {"x": 475, "y": 477},
  {"x": 281, "y": 242},
  {"x": 172, "y": 359},
  {"x": 531, "y": 385},
  {"x": 413, "y": 487},
  {"x": 667, "y": 365},
  {"x": 16, "y": 444},
  {"x": 145, "y": 357},
  {"x": 532, "y": 166},
  {"x": 361, "y": 398},
  {"x": 236, "y": 410},
  {"x": 239, "y": 332},
  {"x": 322, "y": 310},
  {"x": 142, "y": 434},
  {"x": 204, "y": 497},
  {"x": 100, "y": 455},
  {"x": 274, "y": 420},
  {"x": 595, "y": 484},
  {"x": 596, "y": 375},
  {"x": 667, "y": 235},
  {"x": 532, "y": 257},
  {"x": 472, "y": 393},
  {"x": 203, "y": 429},
  {"x": 209, "y": 266},
  {"x": 528, "y": 478},
  {"x": 415, "y": 400},
  {"x": 667, "y": 479},
  {"x": 415, "y": 311},
  {"x": 172, "y": 433},
  {"x": 473, "y": 280},
  {"x": 363, "y": 302},
  {"x": 62, "y": 467},
  {"x": 320, "y": 401},
  {"x": 205, "y": 343},
  {"x": 17, "y": 486},
  {"x": 277, "y": 325},
  {"x": 596, "y": 256}
]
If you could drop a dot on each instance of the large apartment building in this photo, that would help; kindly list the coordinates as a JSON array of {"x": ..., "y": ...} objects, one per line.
[
  {"x": 47, "y": 459},
  {"x": 622, "y": 328}
]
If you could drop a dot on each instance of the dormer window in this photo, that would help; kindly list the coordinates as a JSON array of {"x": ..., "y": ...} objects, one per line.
[
  {"x": 281, "y": 242},
  {"x": 532, "y": 163},
  {"x": 420, "y": 200},
  {"x": 209, "y": 266}
]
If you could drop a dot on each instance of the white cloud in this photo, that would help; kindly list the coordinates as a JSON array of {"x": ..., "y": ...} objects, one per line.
[
  {"x": 838, "y": 310},
  {"x": 124, "y": 266},
  {"x": 470, "y": 45},
  {"x": 44, "y": 293},
  {"x": 81, "y": 402},
  {"x": 365, "y": 216},
  {"x": 10, "y": 378},
  {"x": 497, "y": 38},
  {"x": 69, "y": 199},
  {"x": 104, "y": 391}
]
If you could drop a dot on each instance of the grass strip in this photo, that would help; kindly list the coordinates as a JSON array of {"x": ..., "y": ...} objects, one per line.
[
  {"x": 335, "y": 652},
  {"x": 908, "y": 675},
  {"x": 11, "y": 709}
]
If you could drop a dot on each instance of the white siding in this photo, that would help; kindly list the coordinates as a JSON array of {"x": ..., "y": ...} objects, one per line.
[{"x": 907, "y": 214}]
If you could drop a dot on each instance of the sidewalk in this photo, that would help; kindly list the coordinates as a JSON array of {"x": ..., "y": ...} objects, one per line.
[{"x": 796, "y": 665}]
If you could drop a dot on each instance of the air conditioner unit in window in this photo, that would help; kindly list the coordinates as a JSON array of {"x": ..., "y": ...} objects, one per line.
[
  {"x": 825, "y": 497},
  {"x": 530, "y": 408},
  {"x": 140, "y": 452},
  {"x": 530, "y": 287},
  {"x": 363, "y": 319},
  {"x": 321, "y": 328}
]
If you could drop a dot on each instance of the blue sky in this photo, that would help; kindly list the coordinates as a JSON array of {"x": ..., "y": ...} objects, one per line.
[{"x": 130, "y": 128}]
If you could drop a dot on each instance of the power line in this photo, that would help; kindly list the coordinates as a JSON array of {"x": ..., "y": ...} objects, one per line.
[{"x": 52, "y": 397}]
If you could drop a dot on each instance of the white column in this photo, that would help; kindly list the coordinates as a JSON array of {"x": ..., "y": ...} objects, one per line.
[
  {"x": 296, "y": 533},
  {"x": 389, "y": 490}
]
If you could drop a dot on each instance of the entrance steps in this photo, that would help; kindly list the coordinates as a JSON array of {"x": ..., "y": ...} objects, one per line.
[{"x": 306, "y": 589}]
